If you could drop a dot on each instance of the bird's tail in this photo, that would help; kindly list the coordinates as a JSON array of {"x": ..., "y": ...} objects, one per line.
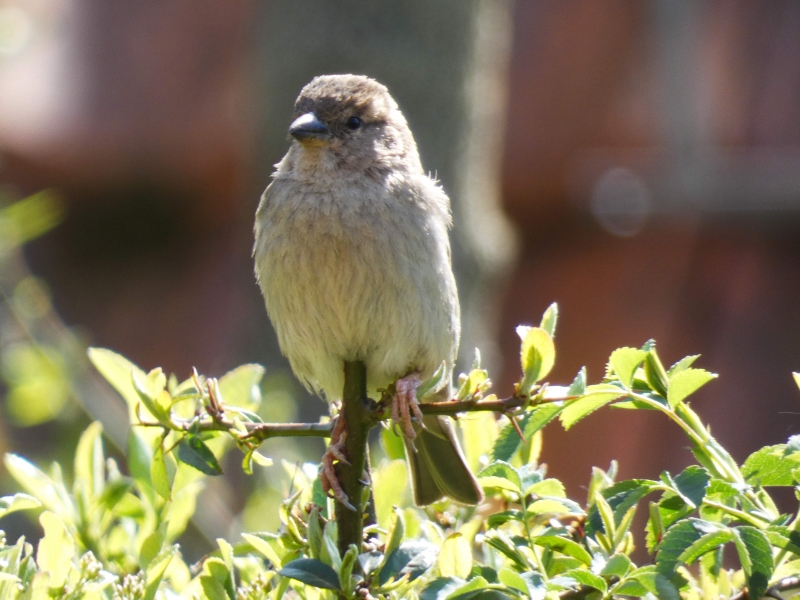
[{"x": 438, "y": 467}]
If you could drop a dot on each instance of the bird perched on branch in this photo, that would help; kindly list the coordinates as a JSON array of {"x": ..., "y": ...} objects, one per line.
[{"x": 353, "y": 259}]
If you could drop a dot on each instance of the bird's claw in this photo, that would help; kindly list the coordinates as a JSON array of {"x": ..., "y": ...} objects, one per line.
[
  {"x": 335, "y": 452},
  {"x": 405, "y": 406}
]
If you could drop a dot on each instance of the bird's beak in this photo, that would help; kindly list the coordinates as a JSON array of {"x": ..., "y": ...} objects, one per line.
[{"x": 308, "y": 129}]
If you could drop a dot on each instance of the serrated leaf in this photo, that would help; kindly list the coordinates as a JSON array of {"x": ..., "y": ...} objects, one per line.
[
  {"x": 706, "y": 543},
  {"x": 501, "y": 474},
  {"x": 533, "y": 420},
  {"x": 682, "y": 364},
  {"x": 578, "y": 385},
  {"x": 677, "y": 540},
  {"x": 755, "y": 554},
  {"x": 596, "y": 397},
  {"x": 624, "y": 362},
  {"x": 538, "y": 355},
  {"x": 689, "y": 486},
  {"x": 194, "y": 452},
  {"x": 455, "y": 557},
  {"x": 550, "y": 319},
  {"x": 685, "y": 383},
  {"x": 312, "y": 572},
  {"x": 547, "y": 487},
  {"x": 655, "y": 583},
  {"x": 771, "y": 466}
]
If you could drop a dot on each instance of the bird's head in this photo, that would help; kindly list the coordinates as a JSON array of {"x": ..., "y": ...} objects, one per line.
[{"x": 352, "y": 123}]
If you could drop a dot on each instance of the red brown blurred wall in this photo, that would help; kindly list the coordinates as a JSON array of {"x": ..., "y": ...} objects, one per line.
[{"x": 651, "y": 165}]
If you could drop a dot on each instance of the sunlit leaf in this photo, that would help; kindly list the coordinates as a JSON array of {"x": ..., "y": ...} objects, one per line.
[
  {"x": 685, "y": 383},
  {"x": 455, "y": 557},
  {"x": 624, "y": 362}
]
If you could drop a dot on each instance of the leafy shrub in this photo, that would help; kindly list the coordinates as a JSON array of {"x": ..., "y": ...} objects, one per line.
[{"x": 112, "y": 535}]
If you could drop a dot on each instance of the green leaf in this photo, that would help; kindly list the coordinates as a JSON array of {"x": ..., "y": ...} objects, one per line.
[
  {"x": 550, "y": 319},
  {"x": 194, "y": 452},
  {"x": 624, "y": 362},
  {"x": 264, "y": 547},
  {"x": 620, "y": 497},
  {"x": 587, "y": 578},
  {"x": 151, "y": 546},
  {"x": 596, "y": 396},
  {"x": 156, "y": 569},
  {"x": 90, "y": 460},
  {"x": 686, "y": 382},
  {"x": 312, "y": 572},
  {"x": 578, "y": 385},
  {"x": 56, "y": 549},
  {"x": 784, "y": 538},
  {"x": 692, "y": 483},
  {"x": 547, "y": 487},
  {"x": 654, "y": 582},
  {"x": 618, "y": 565},
  {"x": 501, "y": 475},
  {"x": 140, "y": 456},
  {"x": 117, "y": 371},
  {"x": 565, "y": 546},
  {"x": 240, "y": 387},
  {"x": 455, "y": 557},
  {"x": 771, "y": 466},
  {"x": 682, "y": 364},
  {"x": 9, "y": 504},
  {"x": 755, "y": 554},
  {"x": 533, "y": 420},
  {"x": 217, "y": 580},
  {"x": 538, "y": 355},
  {"x": 678, "y": 539},
  {"x": 159, "y": 474},
  {"x": 708, "y": 542},
  {"x": 434, "y": 383},
  {"x": 35, "y": 482},
  {"x": 346, "y": 570},
  {"x": 440, "y": 588},
  {"x": 411, "y": 558},
  {"x": 654, "y": 371}
]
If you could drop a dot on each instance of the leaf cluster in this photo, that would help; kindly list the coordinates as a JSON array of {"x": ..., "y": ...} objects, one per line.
[{"x": 713, "y": 530}]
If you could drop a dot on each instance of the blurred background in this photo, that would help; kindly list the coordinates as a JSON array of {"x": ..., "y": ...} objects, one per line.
[{"x": 636, "y": 161}]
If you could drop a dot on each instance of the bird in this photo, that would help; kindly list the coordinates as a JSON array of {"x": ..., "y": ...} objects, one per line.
[{"x": 353, "y": 259}]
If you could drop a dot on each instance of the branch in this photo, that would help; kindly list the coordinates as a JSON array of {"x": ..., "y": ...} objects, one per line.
[
  {"x": 254, "y": 431},
  {"x": 789, "y": 583},
  {"x": 217, "y": 419}
]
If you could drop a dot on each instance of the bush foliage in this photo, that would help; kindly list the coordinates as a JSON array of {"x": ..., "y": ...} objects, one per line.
[{"x": 713, "y": 530}]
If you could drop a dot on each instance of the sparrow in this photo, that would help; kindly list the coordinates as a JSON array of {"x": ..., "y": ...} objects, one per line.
[{"x": 353, "y": 259}]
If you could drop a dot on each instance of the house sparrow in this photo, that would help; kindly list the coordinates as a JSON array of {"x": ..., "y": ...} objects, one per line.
[{"x": 353, "y": 259}]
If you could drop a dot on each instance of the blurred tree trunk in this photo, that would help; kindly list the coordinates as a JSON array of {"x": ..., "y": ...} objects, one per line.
[{"x": 446, "y": 64}]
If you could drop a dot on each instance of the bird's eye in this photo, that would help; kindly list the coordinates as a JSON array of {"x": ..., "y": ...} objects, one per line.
[{"x": 353, "y": 123}]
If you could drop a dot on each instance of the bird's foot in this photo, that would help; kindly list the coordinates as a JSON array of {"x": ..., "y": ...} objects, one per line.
[
  {"x": 405, "y": 405},
  {"x": 335, "y": 452}
]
